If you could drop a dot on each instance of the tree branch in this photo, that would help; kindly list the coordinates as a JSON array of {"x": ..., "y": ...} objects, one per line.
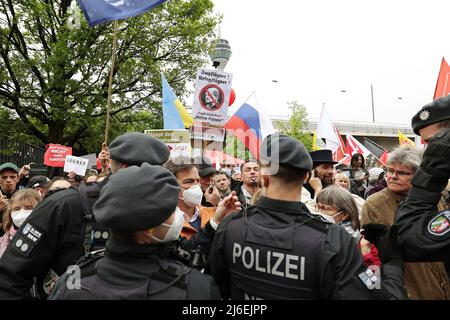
[{"x": 30, "y": 127}]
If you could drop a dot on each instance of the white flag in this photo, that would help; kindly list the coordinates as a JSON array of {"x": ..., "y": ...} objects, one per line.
[
  {"x": 419, "y": 142},
  {"x": 325, "y": 129}
]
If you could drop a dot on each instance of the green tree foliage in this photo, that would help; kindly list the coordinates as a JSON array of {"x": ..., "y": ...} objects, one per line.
[
  {"x": 297, "y": 126},
  {"x": 235, "y": 148},
  {"x": 54, "y": 77}
]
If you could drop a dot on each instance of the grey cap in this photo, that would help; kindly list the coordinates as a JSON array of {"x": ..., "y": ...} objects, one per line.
[
  {"x": 10, "y": 166},
  {"x": 137, "y": 198},
  {"x": 436, "y": 111},
  {"x": 135, "y": 148},
  {"x": 287, "y": 151}
]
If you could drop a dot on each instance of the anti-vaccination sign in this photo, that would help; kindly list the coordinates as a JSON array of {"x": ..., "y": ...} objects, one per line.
[
  {"x": 178, "y": 141},
  {"x": 212, "y": 95}
]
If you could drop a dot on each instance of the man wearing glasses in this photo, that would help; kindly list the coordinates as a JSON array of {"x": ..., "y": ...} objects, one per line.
[
  {"x": 422, "y": 280},
  {"x": 380, "y": 207}
]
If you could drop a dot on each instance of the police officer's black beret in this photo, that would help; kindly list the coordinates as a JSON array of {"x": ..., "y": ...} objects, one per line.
[
  {"x": 137, "y": 198},
  {"x": 136, "y": 148},
  {"x": 436, "y": 111},
  {"x": 284, "y": 150}
]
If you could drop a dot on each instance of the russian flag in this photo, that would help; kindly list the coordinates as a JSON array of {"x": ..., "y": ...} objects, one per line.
[{"x": 250, "y": 125}]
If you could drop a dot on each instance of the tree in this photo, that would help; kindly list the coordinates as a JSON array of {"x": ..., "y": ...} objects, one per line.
[
  {"x": 54, "y": 78},
  {"x": 297, "y": 126},
  {"x": 235, "y": 148}
]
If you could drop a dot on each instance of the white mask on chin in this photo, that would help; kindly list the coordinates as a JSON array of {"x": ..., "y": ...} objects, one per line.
[
  {"x": 192, "y": 197},
  {"x": 174, "y": 228}
]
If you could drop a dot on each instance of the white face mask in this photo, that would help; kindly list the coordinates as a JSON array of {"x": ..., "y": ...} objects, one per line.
[
  {"x": 192, "y": 197},
  {"x": 174, "y": 228},
  {"x": 330, "y": 218},
  {"x": 19, "y": 216}
]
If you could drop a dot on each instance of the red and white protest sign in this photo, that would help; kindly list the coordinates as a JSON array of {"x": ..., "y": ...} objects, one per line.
[{"x": 55, "y": 156}]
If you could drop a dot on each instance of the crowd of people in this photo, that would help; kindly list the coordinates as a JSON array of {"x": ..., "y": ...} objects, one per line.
[{"x": 294, "y": 226}]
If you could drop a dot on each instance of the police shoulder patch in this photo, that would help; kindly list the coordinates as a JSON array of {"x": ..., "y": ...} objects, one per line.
[
  {"x": 31, "y": 233},
  {"x": 440, "y": 224},
  {"x": 368, "y": 278},
  {"x": 26, "y": 239}
]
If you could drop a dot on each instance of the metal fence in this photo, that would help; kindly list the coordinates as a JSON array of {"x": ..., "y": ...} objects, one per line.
[
  {"x": 20, "y": 153},
  {"x": 368, "y": 128},
  {"x": 358, "y": 127}
]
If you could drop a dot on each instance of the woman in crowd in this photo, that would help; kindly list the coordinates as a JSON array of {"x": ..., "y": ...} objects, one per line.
[
  {"x": 358, "y": 175},
  {"x": 343, "y": 181},
  {"x": 19, "y": 208},
  {"x": 337, "y": 205}
]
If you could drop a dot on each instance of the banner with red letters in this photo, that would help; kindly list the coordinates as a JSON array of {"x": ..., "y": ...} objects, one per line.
[{"x": 55, "y": 156}]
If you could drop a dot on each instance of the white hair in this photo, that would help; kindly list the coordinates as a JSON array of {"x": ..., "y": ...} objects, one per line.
[{"x": 406, "y": 155}]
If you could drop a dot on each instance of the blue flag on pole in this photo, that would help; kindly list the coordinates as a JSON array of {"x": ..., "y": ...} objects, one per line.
[{"x": 100, "y": 11}]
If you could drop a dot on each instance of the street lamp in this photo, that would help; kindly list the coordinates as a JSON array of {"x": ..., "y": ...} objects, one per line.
[{"x": 373, "y": 106}]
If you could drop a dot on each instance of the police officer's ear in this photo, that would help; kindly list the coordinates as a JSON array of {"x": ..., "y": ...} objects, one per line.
[{"x": 264, "y": 181}]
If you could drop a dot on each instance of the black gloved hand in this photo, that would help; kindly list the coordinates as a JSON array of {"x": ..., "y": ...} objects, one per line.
[
  {"x": 434, "y": 170},
  {"x": 388, "y": 247},
  {"x": 373, "y": 232}
]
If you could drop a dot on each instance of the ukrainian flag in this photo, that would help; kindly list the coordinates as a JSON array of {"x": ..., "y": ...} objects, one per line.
[{"x": 174, "y": 113}]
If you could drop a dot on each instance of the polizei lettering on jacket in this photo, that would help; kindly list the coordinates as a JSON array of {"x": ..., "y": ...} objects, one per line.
[{"x": 270, "y": 262}]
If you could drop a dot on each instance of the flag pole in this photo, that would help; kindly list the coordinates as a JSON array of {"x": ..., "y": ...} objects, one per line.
[
  {"x": 373, "y": 107},
  {"x": 111, "y": 73}
]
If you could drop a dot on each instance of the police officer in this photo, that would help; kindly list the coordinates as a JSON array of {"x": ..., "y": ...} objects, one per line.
[
  {"x": 278, "y": 250},
  {"x": 52, "y": 237},
  {"x": 135, "y": 265},
  {"x": 423, "y": 228}
]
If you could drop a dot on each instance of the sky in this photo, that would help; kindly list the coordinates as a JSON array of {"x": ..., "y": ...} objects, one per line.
[{"x": 314, "y": 49}]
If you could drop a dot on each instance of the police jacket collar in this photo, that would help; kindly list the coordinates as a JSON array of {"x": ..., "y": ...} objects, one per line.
[
  {"x": 293, "y": 207},
  {"x": 115, "y": 247}
]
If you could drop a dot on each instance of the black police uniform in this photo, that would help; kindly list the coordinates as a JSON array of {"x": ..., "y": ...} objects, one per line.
[
  {"x": 53, "y": 236},
  {"x": 132, "y": 271},
  {"x": 281, "y": 251},
  {"x": 278, "y": 250},
  {"x": 423, "y": 231},
  {"x": 50, "y": 239}
]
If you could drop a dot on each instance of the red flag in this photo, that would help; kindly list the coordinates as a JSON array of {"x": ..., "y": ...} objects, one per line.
[
  {"x": 443, "y": 82},
  {"x": 354, "y": 146},
  {"x": 341, "y": 152},
  {"x": 384, "y": 157}
]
